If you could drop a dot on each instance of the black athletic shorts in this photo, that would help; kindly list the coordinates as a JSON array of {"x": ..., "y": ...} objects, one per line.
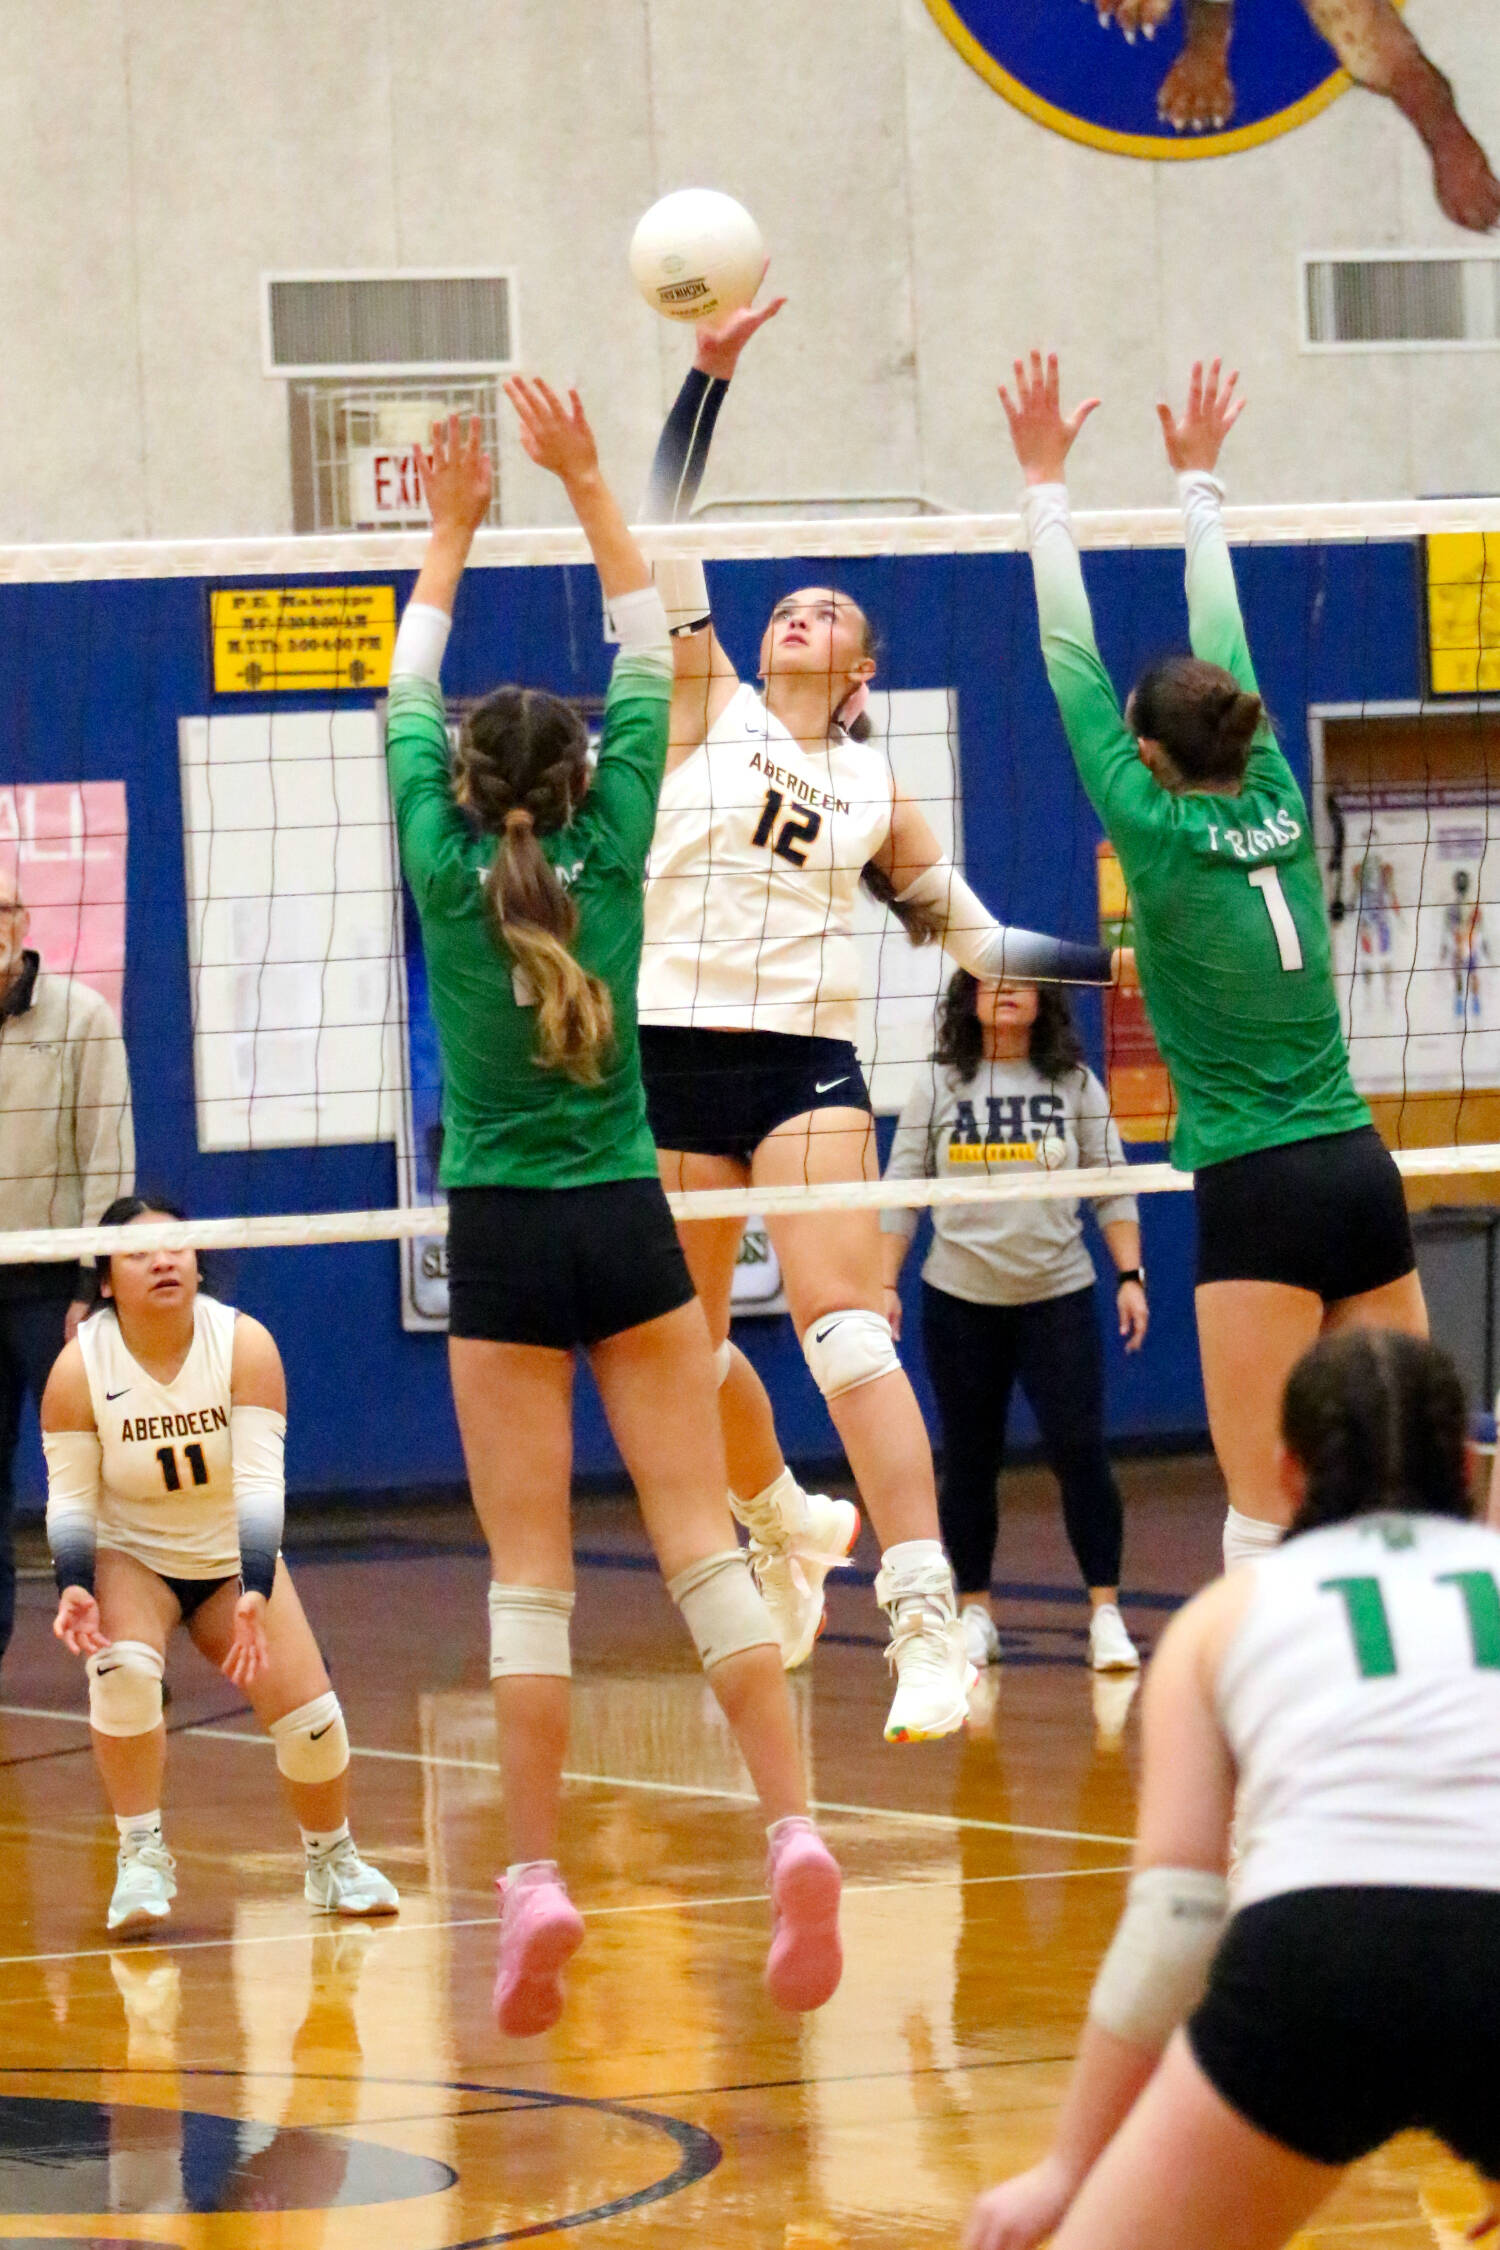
[
  {"x": 721, "y": 1093},
  {"x": 561, "y": 1267},
  {"x": 192, "y": 1593},
  {"x": 1326, "y": 1215},
  {"x": 1335, "y": 2018}
]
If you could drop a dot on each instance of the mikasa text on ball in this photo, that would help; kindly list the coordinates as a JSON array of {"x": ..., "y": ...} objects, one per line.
[{"x": 697, "y": 253}]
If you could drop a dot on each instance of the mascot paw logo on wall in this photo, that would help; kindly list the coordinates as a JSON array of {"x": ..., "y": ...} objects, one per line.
[{"x": 1210, "y": 77}]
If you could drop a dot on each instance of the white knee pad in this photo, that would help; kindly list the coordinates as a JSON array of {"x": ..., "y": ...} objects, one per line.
[
  {"x": 846, "y": 1349},
  {"x": 312, "y": 1743},
  {"x": 723, "y": 1361},
  {"x": 529, "y": 1633},
  {"x": 722, "y": 1608},
  {"x": 125, "y": 1688}
]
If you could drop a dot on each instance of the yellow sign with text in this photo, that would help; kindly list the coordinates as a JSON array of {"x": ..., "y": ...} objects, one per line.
[
  {"x": 1463, "y": 611},
  {"x": 301, "y": 640}
]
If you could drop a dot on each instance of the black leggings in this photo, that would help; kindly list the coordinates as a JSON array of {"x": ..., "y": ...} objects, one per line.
[{"x": 974, "y": 1355}]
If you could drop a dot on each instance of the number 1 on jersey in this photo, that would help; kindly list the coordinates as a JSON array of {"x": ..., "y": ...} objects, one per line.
[{"x": 1288, "y": 944}]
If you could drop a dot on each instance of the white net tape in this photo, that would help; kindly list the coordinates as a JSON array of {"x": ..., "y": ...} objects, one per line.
[
  {"x": 299, "y": 1230},
  {"x": 729, "y": 542}
]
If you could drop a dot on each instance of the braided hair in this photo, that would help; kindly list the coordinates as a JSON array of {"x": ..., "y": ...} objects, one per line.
[
  {"x": 521, "y": 770},
  {"x": 1376, "y": 1420}
]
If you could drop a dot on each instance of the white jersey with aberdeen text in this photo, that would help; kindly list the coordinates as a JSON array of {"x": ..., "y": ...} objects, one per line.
[
  {"x": 1361, "y": 1698},
  {"x": 752, "y": 877},
  {"x": 167, "y": 1477}
]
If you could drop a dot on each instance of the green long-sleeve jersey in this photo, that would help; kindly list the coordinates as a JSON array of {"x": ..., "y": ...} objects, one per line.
[
  {"x": 506, "y": 1121},
  {"x": 1231, "y": 933}
]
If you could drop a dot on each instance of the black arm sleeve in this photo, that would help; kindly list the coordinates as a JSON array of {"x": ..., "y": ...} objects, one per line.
[{"x": 682, "y": 451}]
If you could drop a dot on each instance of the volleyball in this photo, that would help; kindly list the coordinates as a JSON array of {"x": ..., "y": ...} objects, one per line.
[{"x": 696, "y": 253}]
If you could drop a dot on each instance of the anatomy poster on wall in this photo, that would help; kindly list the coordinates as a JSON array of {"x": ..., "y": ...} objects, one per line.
[{"x": 1416, "y": 940}]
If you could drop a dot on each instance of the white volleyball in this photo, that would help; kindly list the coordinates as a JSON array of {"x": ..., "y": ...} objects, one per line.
[{"x": 697, "y": 253}]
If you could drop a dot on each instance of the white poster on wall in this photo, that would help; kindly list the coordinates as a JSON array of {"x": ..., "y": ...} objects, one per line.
[{"x": 1416, "y": 938}]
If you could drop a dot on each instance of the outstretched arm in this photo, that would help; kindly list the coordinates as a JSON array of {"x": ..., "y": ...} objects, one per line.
[
  {"x": 922, "y": 877},
  {"x": 1118, "y": 785},
  {"x": 706, "y": 679},
  {"x": 1194, "y": 441}
]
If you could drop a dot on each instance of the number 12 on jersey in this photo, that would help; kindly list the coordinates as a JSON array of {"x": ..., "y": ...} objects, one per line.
[{"x": 1288, "y": 944}]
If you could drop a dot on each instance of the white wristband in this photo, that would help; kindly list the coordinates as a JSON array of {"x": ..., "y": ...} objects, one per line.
[
  {"x": 640, "y": 622},
  {"x": 423, "y": 637}
]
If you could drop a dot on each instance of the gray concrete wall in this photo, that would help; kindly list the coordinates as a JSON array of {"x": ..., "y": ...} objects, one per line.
[{"x": 157, "y": 156}]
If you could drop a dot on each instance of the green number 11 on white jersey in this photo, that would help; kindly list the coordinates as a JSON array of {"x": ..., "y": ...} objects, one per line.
[{"x": 1288, "y": 944}]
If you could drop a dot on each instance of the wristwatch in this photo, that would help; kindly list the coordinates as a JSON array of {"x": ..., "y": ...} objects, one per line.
[{"x": 1130, "y": 1273}]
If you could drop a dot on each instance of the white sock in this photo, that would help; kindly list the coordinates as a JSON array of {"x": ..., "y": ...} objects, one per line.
[
  {"x": 138, "y": 1829},
  {"x": 787, "y": 1822},
  {"x": 1245, "y": 1537},
  {"x": 914, "y": 1555},
  {"x": 526, "y": 1866},
  {"x": 319, "y": 1842},
  {"x": 787, "y": 1497}
]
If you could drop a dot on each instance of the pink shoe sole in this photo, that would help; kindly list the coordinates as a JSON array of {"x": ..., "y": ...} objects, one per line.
[
  {"x": 546, "y": 1931},
  {"x": 806, "y": 1958}
]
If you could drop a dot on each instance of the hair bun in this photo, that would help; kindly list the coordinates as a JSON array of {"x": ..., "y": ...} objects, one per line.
[{"x": 1237, "y": 718}]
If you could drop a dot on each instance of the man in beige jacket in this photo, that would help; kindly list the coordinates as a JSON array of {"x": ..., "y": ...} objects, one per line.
[{"x": 67, "y": 1149}]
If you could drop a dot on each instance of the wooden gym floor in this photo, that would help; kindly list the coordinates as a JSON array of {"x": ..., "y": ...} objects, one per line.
[{"x": 261, "y": 2078}]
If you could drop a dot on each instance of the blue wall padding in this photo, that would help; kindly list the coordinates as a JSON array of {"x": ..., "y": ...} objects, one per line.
[{"x": 95, "y": 677}]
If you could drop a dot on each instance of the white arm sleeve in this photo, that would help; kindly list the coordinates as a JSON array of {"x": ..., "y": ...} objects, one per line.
[
  {"x": 74, "y": 1459},
  {"x": 683, "y": 587},
  {"x": 257, "y": 1445},
  {"x": 421, "y": 642},
  {"x": 1157, "y": 1966},
  {"x": 987, "y": 948},
  {"x": 640, "y": 623}
]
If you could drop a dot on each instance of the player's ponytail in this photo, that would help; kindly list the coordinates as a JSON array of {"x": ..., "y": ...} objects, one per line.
[
  {"x": 1376, "y": 1421},
  {"x": 1200, "y": 716},
  {"x": 522, "y": 768}
]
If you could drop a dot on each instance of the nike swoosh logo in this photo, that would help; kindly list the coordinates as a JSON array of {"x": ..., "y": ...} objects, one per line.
[
  {"x": 820, "y": 1335},
  {"x": 320, "y": 1732},
  {"x": 102, "y": 1671},
  {"x": 827, "y": 1086},
  {"x": 117, "y": 1394}
]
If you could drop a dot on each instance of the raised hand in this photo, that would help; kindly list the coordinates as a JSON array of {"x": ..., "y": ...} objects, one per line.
[
  {"x": 77, "y": 1623},
  {"x": 456, "y": 476},
  {"x": 720, "y": 341},
  {"x": 555, "y": 436},
  {"x": 1193, "y": 440},
  {"x": 248, "y": 1653},
  {"x": 1039, "y": 430}
]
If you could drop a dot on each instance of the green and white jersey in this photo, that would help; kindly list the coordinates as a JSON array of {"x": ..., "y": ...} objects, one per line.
[
  {"x": 1231, "y": 932},
  {"x": 507, "y": 1122},
  {"x": 1360, "y": 1696}
]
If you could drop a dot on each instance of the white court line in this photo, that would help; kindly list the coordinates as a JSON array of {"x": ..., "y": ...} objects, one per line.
[
  {"x": 389, "y": 1928},
  {"x": 950, "y": 1821},
  {"x": 953, "y": 1822}
]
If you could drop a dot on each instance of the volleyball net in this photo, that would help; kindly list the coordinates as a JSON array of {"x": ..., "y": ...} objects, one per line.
[{"x": 197, "y": 820}]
